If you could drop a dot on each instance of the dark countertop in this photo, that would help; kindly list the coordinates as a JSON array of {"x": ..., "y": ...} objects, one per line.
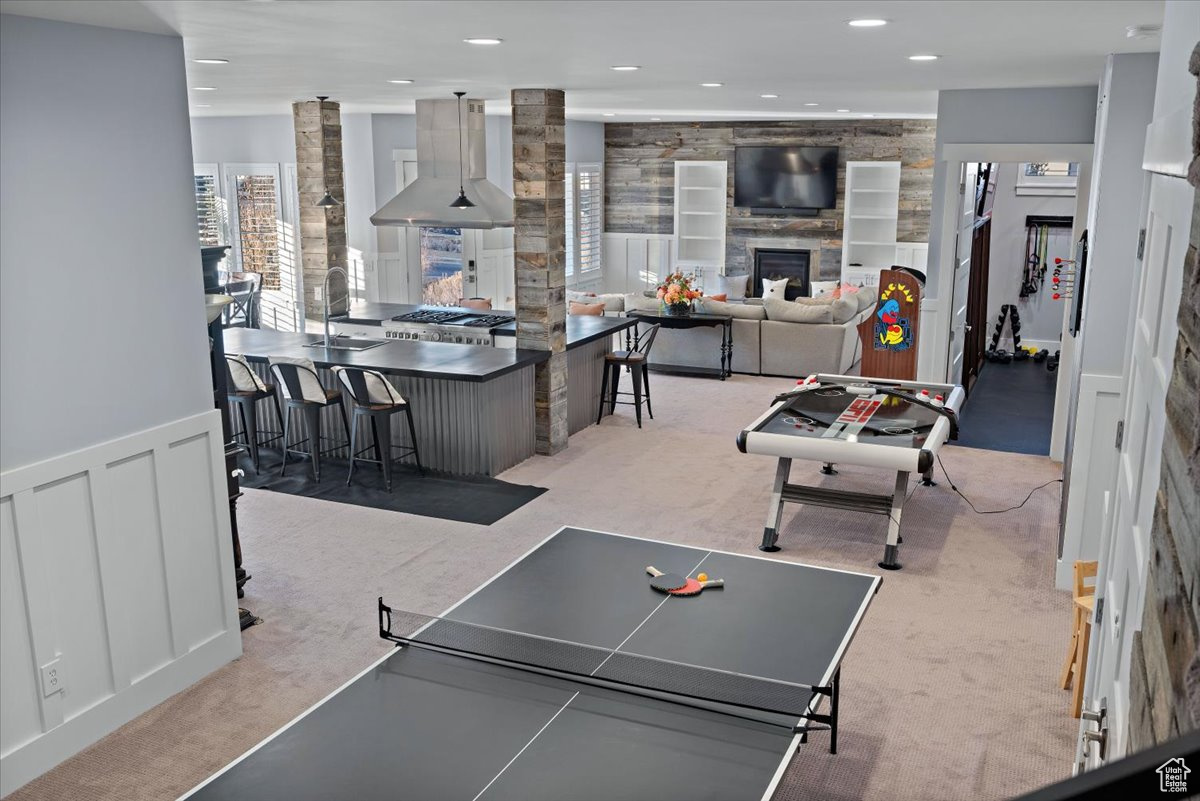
[
  {"x": 581, "y": 329},
  {"x": 401, "y": 357}
]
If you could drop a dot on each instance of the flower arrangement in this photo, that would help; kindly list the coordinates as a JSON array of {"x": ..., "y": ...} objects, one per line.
[{"x": 676, "y": 293}]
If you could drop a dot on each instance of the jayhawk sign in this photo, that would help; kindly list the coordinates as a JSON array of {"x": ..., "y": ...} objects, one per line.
[{"x": 893, "y": 332}]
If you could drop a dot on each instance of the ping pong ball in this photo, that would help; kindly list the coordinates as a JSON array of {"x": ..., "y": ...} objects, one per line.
[{"x": 702, "y": 577}]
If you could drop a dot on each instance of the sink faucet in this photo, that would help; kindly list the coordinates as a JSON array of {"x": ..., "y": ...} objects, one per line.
[{"x": 325, "y": 295}]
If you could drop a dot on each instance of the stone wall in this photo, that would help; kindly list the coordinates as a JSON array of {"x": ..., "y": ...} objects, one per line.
[
  {"x": 1165, "y": 673},
  {"x": 639, "y": 177}
]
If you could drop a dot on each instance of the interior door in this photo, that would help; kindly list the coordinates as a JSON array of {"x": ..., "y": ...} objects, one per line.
[
  {"x": 1125, "y": 553},
  {"x": 975, "y": 337},
  {"x": 964, "y": 243}
]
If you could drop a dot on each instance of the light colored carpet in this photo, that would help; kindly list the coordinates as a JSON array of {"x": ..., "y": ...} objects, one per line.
[{"x": 948, "y": 690}]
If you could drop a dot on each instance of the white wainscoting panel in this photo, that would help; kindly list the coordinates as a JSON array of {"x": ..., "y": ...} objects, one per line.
[
  {"x": 117, "y": 561},
  {"x": 633, "y": 262}
]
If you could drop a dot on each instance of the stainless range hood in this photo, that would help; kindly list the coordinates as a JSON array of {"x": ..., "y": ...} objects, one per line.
[{"x": 426, "y": 201}]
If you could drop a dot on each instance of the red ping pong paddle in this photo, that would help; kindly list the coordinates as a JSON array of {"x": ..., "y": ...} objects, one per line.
[{"x": 677, "y": 585}]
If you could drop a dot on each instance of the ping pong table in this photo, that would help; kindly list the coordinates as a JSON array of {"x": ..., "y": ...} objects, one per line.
[{"x": 636, "y": 694}]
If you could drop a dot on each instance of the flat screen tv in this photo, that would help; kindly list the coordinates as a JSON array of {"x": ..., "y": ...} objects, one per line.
[{"x": 785, "y": 177}]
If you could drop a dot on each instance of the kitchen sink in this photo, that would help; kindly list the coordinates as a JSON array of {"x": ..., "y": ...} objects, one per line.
[{"x": 343, "y": 343}]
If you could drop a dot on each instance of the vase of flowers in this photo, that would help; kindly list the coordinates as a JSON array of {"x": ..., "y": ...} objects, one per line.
[{"x": 676, "y": 294}]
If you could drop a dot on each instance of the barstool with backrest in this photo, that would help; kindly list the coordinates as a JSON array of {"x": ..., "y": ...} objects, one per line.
[
  {"x": 635, "y": 360},
  {"x": 303, "y": 391},
  {"x": 246, "y": 389},
  {"x": 375, "y": 398}
]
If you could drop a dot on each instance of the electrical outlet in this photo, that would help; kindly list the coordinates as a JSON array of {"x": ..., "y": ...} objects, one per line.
[
  {"x": 52, "y": 677},
  {"x": 318, "y": 293}
]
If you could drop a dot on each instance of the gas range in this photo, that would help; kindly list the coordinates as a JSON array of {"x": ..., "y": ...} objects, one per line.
[{"x": 446, "y": 325}]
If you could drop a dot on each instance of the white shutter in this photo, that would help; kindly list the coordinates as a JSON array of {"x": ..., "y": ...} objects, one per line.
[
  {"x": 211, "y": 214},
  {"x": 571, "y": 213},
  {"x": 589, "y": 198}
]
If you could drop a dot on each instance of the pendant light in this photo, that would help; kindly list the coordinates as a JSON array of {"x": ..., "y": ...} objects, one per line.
[{"x": 462, "y": 201}]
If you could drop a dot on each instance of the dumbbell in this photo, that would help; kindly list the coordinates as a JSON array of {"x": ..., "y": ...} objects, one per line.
[
  {"x": 1041, "y": 355},
  {"x": 1020, "y": 354}
]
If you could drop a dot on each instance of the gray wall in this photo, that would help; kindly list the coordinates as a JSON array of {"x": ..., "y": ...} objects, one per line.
[
  {"x": 99, "y": 262},
  {"x": 1055, "y": 115}
]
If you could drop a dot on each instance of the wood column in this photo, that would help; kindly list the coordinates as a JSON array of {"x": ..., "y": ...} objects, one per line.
[
  {"x": 539, "y": 169},
  {"x": 318, "y": 125}
]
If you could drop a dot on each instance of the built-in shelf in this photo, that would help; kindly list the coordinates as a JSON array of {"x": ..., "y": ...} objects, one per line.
[
  {"x": 700, "y": 209},
  {"x": 872, "y": 209}
]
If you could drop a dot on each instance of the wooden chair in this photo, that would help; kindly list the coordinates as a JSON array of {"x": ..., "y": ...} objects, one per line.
[{"x": 1083, "y": 603}]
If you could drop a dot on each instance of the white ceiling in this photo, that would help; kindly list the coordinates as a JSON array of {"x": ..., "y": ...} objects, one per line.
[{"x": 803, "y": 51}]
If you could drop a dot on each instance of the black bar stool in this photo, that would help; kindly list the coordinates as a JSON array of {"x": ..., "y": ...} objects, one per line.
[
  {"x": 246, "y": 390},
  {"x": 375, "y": 398},
  {"x": 635, "y": 360},
  {"x": 303, "y": 391}
]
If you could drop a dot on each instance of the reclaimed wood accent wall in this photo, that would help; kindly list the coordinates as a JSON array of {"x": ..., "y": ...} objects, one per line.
[
  {"x": 639, "y": 177},
  {"x": 318, "y": 125},
  {"x": 539, "y": 172}
]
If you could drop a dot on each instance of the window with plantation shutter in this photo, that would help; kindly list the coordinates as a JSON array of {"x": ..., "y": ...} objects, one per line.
[
  {"x": 211, "y": 218},
  {"x": 585, "y": 217},
  {"x": 589, "y": 217}
]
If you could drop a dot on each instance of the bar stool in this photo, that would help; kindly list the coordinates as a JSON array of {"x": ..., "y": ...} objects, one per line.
[
  {"x": 247, "y": 390},
  {"x": 303, "y": 391},
  {"x": 635, "y": 360},
  {"x": 375, "y": 398}
]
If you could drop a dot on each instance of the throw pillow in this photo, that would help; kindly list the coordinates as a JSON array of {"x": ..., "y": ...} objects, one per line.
[
  {"x": 722, "y": 297},
  {"x": 818, "y": 288},
  {"x": 733, "y": 286},
  {"x": 844, "y": 308},
  {"x": 612, "y": 301},
  {"x": 591, "y": 309},
  {"x": 244, "y": 378},
  {"x": 774, "y": 289},
  {"x": 787, "y": 312},
  {"x": 821, "y": 300},
  {"x": 478, "y": 304},
  {"x": 866, "y": 297},
  {"x": 738, "y": 311},
  {"x": 636, "y": 302}
]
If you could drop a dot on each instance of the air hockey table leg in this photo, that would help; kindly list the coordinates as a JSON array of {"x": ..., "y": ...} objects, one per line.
[
  {"x": 775, "y": 510},
  {"x": 892, "y": 549},
  {"x": 927, "y": 478}
]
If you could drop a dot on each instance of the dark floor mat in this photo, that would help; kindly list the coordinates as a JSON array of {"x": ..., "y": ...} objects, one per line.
[
  {"x": 480, "y": 500},
  {"x": 1010, "y": 408}
]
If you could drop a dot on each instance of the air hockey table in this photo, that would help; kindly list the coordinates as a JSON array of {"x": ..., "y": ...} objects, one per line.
[{"x": 885, "y": 423}]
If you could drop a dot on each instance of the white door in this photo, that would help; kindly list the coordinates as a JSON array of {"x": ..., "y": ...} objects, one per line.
[
  {"x": 962, "y": 271},
  {"x": 1121, "y": 580}
]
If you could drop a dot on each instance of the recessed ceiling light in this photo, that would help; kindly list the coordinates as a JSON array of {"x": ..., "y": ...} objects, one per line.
[
  {"x": 201, "y": 105},
  {"x": 924, "y": 57},
  {"x": 843, "y": 110},
  {"x": 608, "y": 114},
  {"x": 711, "y": 85},
  {"x": 656, "y": 119},
  {"x": 867, "y": 23},
  {"x": 625, "y": 67},
  {"x": 204, "y": 88},
  {"x": 868, "y": 115},
  {"x": 1142, "y": 31},
  {"x": 768, "y": 97},
  {"x": 812, "y": 104},
  {"x": 483, "y": 40},
  {"x": 211, "y": 60},
  {"x": 399, "y": 80}
]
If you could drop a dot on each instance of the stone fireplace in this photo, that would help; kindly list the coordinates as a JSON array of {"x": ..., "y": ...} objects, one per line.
[{"x": 774, "y": 264}]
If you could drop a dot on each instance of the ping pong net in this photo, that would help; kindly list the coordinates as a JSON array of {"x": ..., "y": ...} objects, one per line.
[{"x": 763, "y": 700}]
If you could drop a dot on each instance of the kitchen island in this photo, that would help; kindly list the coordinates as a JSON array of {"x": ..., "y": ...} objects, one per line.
[
  {"x": 472, "y": 405},
  {"x": 588, "y": 340}
]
